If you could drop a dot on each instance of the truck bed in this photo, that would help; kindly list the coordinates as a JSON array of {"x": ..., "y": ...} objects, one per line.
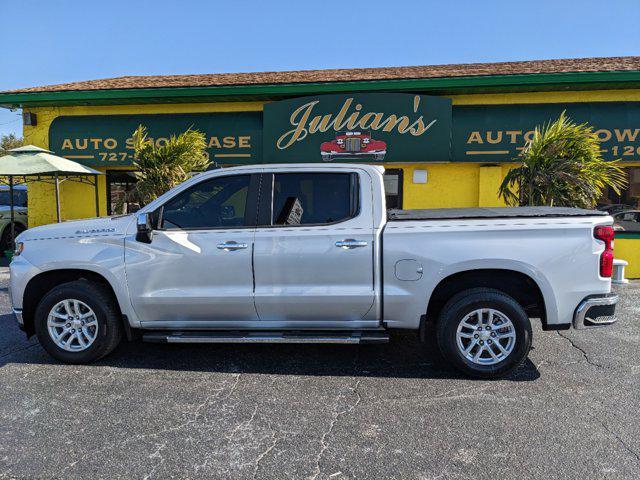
[{"x": 489, "y": 212}]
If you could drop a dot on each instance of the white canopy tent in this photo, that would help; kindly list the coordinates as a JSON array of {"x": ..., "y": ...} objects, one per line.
[{"x": 35, "y": 164}]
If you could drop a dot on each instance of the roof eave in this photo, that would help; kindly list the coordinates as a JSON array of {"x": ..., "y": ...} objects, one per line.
[{"x": 452, "y": 85}]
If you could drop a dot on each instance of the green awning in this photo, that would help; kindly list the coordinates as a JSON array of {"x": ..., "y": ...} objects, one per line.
[{"x": 32, "y": 160}]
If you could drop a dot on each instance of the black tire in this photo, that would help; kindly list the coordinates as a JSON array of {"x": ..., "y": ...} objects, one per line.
[
  {"x": 5, "y": 240},
  {"x": 101, "y": 301},
  {"x": 467, "y": 301}
]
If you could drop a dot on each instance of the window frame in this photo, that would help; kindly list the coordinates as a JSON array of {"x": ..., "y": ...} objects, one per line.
[
  {"x": 400, "y": 173},
  {"x": 265, "y": 211},
  {"x": 109, "y": 174},
  {"x": 250, "y": 213}
]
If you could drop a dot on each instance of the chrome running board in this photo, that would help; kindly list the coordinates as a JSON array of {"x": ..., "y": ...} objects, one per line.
[{"x": 359, "y": 337}]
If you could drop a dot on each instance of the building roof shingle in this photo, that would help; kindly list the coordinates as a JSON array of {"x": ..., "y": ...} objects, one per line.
[{"x": 577, "y": 65}]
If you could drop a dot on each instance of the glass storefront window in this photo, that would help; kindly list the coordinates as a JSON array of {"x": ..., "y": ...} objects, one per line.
[
  {"x": 625, "y": 208},
  {"x": 119, "y": 185},
  {"x": 629, "y": 199},
  {"x": 393, "y": 187}
]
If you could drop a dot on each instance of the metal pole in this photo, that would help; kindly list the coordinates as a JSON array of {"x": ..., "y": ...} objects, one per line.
[
  {"x": 95, "y": 183},
  {"x": 13, "y": 225},
  {"x": 57, "y": 196}
]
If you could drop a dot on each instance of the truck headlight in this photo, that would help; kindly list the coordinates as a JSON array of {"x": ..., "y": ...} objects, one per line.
[{"x": 19, "y": 248}]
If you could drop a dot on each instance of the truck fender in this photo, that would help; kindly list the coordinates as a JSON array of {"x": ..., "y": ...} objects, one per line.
[{"x": 549, "y": 297}]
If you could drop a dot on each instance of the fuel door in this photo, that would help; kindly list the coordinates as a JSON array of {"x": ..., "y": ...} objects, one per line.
[{"x": 408, "y": 270}]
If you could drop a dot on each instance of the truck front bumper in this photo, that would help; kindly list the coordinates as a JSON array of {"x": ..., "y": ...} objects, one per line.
[{"x": 596, "y": 311}]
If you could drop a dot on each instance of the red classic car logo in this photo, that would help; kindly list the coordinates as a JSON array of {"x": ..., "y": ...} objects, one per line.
[{"x": 353, "y": 144}]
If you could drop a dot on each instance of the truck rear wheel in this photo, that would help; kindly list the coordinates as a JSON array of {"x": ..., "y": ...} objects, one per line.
[
  {"x": 78, "y": 322},
  {"x": 484, "y": 333}
]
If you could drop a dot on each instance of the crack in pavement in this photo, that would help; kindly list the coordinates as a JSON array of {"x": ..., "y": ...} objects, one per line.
[
  {"x": 194, "y": 416},
  {"x": 274, "y": 441},
  {"x": 157, "y": 454},
  {"x": 581, "y": 350},
  {"x": 620, "y": 440},
  {"x": 243, "y": 425},
  {"x": 337, "y": 414}
]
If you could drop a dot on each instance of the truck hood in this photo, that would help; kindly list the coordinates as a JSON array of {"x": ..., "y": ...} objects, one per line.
[{"x": 90, "y": 227}]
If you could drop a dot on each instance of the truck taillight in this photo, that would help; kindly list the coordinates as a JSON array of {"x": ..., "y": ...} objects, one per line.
[{"x": 606, "y": 234}]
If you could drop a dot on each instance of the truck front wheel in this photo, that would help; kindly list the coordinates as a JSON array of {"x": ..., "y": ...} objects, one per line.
[
  {"x": 484, "y": 332},
  {"x": 78, "y": 322}
]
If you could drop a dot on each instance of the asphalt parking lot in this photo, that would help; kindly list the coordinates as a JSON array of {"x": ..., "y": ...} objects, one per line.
[{"x": 330, "y": 412}]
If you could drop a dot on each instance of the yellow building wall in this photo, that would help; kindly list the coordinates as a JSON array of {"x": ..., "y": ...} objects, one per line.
[
  {"x": 629, "y": 249},
  {"x": 448, "y": 184}
]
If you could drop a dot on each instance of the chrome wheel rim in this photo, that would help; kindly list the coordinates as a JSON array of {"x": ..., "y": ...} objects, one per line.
[
  {"x": 72, "y": 325},
  {"x": 486, "y": 336}
]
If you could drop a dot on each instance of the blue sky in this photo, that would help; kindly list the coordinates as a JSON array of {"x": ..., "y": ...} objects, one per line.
[{"x": 46, "y": 42}]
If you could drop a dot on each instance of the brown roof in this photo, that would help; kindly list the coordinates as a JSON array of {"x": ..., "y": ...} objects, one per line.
[{"x": 350, "y": 75}]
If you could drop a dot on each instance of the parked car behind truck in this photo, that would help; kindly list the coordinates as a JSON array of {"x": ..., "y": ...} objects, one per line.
[
  {"x": 627, "y": 221},
  {"x": 19, "y": 213},
  {"x": 308, "y": 253}
]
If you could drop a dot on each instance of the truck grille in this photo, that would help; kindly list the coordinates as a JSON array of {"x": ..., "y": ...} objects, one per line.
[{"x": 352, "y": 144}]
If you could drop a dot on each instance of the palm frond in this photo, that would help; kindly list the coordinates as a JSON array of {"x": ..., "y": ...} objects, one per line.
[
  {"x": 561, "y": 165},
  {"x": 162, "y": 167}
]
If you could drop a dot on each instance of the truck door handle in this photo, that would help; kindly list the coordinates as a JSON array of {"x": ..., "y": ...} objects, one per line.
[
  {"x": 231, "y": 245},
  {"x": 350, "y": 243}
]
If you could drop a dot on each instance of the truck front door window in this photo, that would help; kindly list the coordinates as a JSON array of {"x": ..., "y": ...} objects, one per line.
[{"x": 217, "y": 203}]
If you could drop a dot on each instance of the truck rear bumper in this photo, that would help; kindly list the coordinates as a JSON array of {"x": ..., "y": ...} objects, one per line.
[{"x": 596, "y": 311}]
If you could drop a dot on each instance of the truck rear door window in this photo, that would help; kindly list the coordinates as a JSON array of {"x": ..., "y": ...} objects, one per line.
[{"x": 314, "y": 198}]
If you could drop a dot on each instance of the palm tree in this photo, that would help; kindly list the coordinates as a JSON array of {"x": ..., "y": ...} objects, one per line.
[
  {"x": 160, "y": 168},
  {"x": 561, "y": 166}
]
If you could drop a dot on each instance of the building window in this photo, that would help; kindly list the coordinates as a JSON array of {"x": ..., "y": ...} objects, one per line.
[
  {"x": 628, "y": 199},
  {"x": 119, "y": 185},
  {"x": 393, "y": 187}
]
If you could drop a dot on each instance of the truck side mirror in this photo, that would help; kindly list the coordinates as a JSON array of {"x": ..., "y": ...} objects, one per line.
[{"x": 144, "y": 229}]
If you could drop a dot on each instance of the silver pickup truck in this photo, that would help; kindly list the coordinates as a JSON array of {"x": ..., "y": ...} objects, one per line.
[{"x": 309, "y": 253}]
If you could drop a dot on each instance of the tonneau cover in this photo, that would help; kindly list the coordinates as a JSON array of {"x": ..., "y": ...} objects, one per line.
[{"x": 490, "y": 212}]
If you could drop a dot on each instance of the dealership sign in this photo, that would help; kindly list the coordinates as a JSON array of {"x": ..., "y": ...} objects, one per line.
[
  {"x": 372, "y": 127},
  {"x": 105, "y": 140},
  {"x": 498, "y": 133},
  {"x": 376, "y": 127}
]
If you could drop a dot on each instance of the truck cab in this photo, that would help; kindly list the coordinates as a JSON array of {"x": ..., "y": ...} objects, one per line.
[{"x": 274, "y": 248}]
